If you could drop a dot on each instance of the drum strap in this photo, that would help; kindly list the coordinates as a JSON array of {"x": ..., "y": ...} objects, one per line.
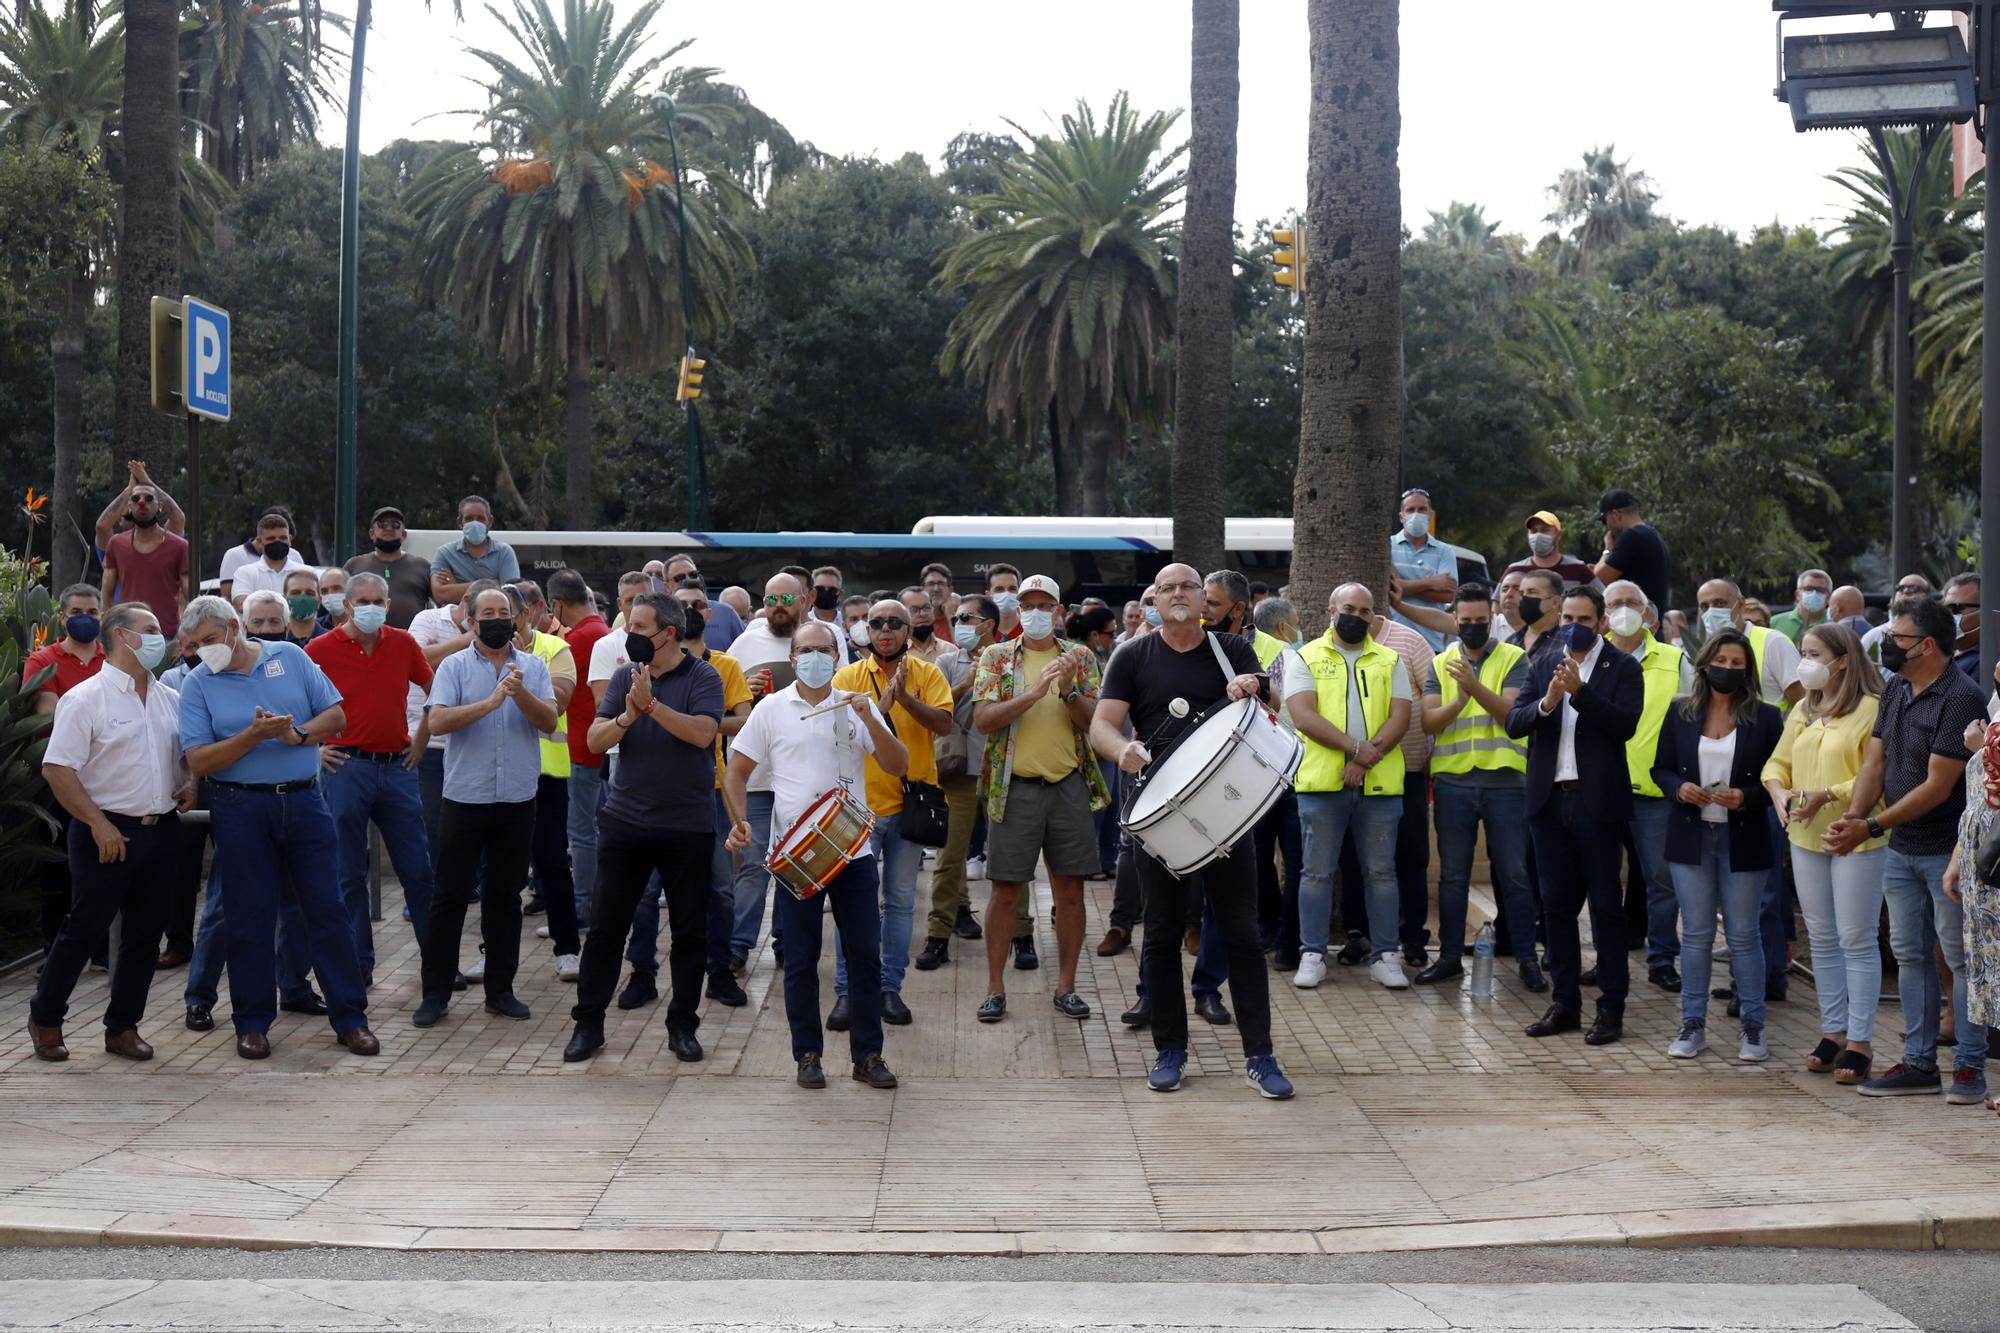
[
  {"x": 843, "y": 745},
  {"x": 1221, "y": 658}
]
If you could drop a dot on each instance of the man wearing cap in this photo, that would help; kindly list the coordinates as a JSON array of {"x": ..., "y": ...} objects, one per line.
[
  {"x": 1545, "y": 537},
  {"x": 1424, "y": 571},
  {"x": 408, "y": 577},
  {"x": 1632, "y": 550}
]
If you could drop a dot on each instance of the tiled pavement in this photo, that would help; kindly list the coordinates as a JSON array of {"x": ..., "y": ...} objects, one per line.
[{"x": 1417, "y": 1107}]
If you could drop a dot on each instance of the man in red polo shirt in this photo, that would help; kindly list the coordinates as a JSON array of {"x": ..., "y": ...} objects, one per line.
[
  {"x": 76, "y": 656},
  {"x": 370, "y": 769},
  {"x": 582, "y": 627}
]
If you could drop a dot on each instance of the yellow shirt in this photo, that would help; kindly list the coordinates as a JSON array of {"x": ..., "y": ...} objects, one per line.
[
  {"x": 927, "y": 685},
  {"x": 735, "y": 693},
  {"x": 1045, "y": 747},
  {"x": 1824, "y": 754}
]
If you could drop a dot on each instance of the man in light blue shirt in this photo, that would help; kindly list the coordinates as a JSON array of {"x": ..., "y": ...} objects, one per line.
[
  {"x": 1424, "y": 571},
  {"x": 477, "y": 554},
  {"x": 493, "y": 704},
  {"x": 253, "y": 716}
]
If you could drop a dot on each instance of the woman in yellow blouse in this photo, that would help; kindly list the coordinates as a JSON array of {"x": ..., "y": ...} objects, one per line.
[{"x": 1810, "y": 777}]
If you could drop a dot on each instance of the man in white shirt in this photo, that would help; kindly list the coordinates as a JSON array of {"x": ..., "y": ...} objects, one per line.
[
  {"x": 804, "y": 758},
  {"x": 114, "y": 761},
  {"x": 1720, "y": 603},
  {"x": 265, "y": 570}
]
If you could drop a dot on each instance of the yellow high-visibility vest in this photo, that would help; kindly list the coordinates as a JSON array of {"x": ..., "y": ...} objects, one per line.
[
  {"x": 1660, "y": 671},
  {"x": 1476, "y": 739},
  {"x": 1322, "y": 768}
]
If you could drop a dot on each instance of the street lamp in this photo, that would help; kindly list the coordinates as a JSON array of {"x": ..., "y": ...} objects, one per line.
[{"x": 1910, "y": 77}]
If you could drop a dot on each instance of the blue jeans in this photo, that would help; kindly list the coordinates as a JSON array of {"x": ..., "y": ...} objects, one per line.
[
  {"x": 1698, "y": 888},
  {"x": 211, "y": 945},
  {"x": 1921, "y": 921},
  {"x": 1841, "y": 897},
  {"x": 1771, "y": 909},
  {"x": 430, "y": 791},
  {"x": 357, "y": 792},
  {"x": 753, "y": 879},
  {"x": 264, "y": 839},
  {"x": 1461, "y": 808},
  {"x": 1649, "y": 834},
  {"x": 899, "y": 862},
  {"x": 586, "y": 798},
  {"x": 855, "y": 915},
  {"x": 1324, "y": 819}
]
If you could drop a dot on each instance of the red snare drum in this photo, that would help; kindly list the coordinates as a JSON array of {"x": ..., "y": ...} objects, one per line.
[{"x": 820, "y": 843}]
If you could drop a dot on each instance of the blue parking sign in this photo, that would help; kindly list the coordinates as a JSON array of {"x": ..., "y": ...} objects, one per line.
[{"x": 205, "y": 360}]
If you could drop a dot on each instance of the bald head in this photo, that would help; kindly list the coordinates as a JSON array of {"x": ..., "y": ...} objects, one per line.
[
  {"x": 784, "y": 604},
  {"x": 1177, "y": 594},
  {"x": 814, "y": 634},
  {"x": 1846, "y": 602}
]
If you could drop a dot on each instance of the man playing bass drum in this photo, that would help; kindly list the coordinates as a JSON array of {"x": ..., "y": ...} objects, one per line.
[{"x": 1142, "y": 682}]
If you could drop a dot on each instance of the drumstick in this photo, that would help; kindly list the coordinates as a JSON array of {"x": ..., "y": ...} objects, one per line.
[{"x": 828, "y": 708}]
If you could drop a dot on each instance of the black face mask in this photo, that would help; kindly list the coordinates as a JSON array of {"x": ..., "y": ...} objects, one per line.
[
  {"x": 277, "y": 550},
  {"x": 1724, "y": 680},
  {"x": 1351, "y": 630},
  {"x": 280, "y": 637},
  {"x": 496, "y": 633},
  {"x": 923, "y": 629},
  {"x": 1894, "y": 655},
  {"x": 639, "y": 648},
  {"x": 825, "y": 599},
  {"x": 388, "y": 545},
  {"x": 1475, "y": 637},
  {"x": 1580, "y": 638},
  {"x": 1531, "y": 610},
  {"x": 696, "y": 623}
]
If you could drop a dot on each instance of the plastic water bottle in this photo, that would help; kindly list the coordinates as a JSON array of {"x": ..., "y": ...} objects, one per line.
[{"x": 1482, "y": 963}]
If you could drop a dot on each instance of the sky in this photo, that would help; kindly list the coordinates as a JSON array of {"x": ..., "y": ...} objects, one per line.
[{"x": 1497, "y": 98}]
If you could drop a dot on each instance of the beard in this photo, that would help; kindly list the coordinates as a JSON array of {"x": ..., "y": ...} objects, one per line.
[
  {"x": 1180, "y": 615},
  {"x": 781, "y": 625},
  {"x": 143, "y": 520}
]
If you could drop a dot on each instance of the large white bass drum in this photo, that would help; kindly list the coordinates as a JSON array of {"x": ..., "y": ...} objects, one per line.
[{"x": 1205, "y": 797}]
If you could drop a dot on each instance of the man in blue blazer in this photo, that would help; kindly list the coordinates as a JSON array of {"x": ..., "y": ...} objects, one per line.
[{"x": 1577, "y": 711}]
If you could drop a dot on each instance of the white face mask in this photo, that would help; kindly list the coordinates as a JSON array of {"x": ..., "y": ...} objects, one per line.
[
  {"x": 1038, "y": 624},
  {"x": 1626, "y": 621},
  {"x": 1416, "y": 526},
  {"x": 1541, "y": 543},
  {"x": 215, "y": 656},
  {"x": 1814, "y": 674},
  {"x": 859, "y": 634}
]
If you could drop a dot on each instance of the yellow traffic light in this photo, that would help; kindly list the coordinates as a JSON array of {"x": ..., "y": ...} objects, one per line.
[
  {"x": 690, "y": 385},
  {"x": 1289, "y": 259}
]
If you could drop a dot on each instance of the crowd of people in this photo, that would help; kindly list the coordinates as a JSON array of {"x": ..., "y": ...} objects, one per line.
[{"x": 703, "y": 754}]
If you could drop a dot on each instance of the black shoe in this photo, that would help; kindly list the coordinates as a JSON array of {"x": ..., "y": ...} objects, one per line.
[
  {"x": 738, "y": 965},
  {"x": 874, "y": 1073},
  {"x": 894, "y": 1010},
  {"x": 368, "y": 981},
  {"x": 1025, "y": 958},
  {"x": 967, "y": 925},
  {"x": 1139, "y": 1015},
  {"x": 1286, "y": 959},
  {"x": 992, "y": 1009},
  {"x": 1416, "y": 955},
  {"x": 586, "y": 1041},
  {"x": 811, "y": 1073},
  {"x": 684, "y": 1046},
  {"x": 1666, "y": 977},
  {"x": 1722, "y": 993},
  {"x": 429, "y": 1011},
  {"x": 1352, "y": 952},
  {"x": 1775, "y": 993},
  {"x": 1210, "y": 1008},
  {"x": 1735, "y": 1007},
  {"x": 508, "y": 1007},
  {"x": 200, "y": 1018},
  {"x": 722, "y": 988},
  {"x": 639, "y": 991},
  {"x": 535, "y": 907},
  {"x": 1588, "y": 978},
  {"x": 839, "y": 1018},
  {"x": 1444, "y": 969},
  {"x": 309, "y": 1003},
  {"x": 936, "y": 952},
  {"x": 1607, "y": 1029},
  {"x": 1557, "y": 1019},
  {"x": 460, "y": 981},
  {"x": 1532, "y": 977},
  {"x": 1070, "y": 1005}
]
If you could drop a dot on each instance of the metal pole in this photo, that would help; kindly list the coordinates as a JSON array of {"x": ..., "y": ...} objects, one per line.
[
  {"x": 1906, "y": 453},
  {"x": 346, "y": 465},
  {"x": 697, "y": 483},
  {"x": 1989, "y": 357},
  {"x": 196, "y": 555}
]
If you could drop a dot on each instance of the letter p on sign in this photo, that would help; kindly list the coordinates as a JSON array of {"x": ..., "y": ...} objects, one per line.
[{"x": 205, "y": 363}]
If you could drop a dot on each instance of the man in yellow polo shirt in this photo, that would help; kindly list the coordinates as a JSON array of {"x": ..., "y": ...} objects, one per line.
[{"x": 916, "y": 699}]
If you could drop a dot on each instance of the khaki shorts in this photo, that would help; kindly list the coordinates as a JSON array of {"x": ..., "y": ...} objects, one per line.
[{"x": 1044, "y": 819}]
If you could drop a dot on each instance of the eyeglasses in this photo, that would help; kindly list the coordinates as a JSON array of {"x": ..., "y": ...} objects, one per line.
[
  {"x": 1416, "y": 490},
  {"x": 389, "y": 524},
  {"x": 1898, "y": 635},
  {"x": 1164, "y": 589},
  {"x": 693, "y": 576},
  {"x": 1960, "y": 608},
  {"x": 888, "y": 622},
  {"x": 781, "y": 598},
  {"x": 1910, "y": 590},
  {"x": 823, "y": 652}
]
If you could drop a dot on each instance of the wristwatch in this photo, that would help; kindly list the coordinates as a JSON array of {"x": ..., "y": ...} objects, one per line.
[
  {"x": 300, "y": 732},
  {"x": 1874, "y": 827}
]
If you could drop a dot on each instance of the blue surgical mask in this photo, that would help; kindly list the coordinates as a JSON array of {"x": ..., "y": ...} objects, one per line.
[
  {"x": 1717, "y": 619},
  {"x": 1153, "y": 616},
  {"x": 152, "y": 650},
  {"x": 1813, "y": 601},
  {"x": 1416, "y": 526},
  {"x": 815, "y": 668},
  {"x": 967, "y": 636},
  {"x": 334, "y": 602},
  {"x": 475, "y": 532},
  {"x": 368, "y": 619},
  {"x": 1038, "y": 624},
  {"x": 1008, "y": 602}
]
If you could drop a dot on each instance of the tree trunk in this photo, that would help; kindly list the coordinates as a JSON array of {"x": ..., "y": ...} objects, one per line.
[
  {"x": 1350, "y": 435},
  {"x": 1097, "y": 433},
  {"x": 66, "y": 360},
  {"x": 149, "y": 241},
  {"x": 578, "y": 431},
  {"x": 1205, "y": 315},
  {"x": 1062, "y": 456}
]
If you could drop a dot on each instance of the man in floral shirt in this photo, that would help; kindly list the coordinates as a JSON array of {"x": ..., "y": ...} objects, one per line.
[{"x": 1033, "y": 698}]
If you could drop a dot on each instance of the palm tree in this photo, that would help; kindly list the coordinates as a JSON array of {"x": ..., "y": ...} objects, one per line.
[
  {"x": 1601, "y": 202},
  {"x": 1462, "y": 230},
  {"x": 1350, "y": 433},
  {"x": 1949, "y": 336},
  {"x": 253, "y": 82},
  {"x": 149, "y": 229},
  {"x": 1072, "y": 301},
  {"x": 558, "y": 240},
  {"x": 1206, "y": 311}
]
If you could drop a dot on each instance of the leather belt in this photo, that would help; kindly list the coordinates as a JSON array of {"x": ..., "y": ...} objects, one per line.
[
  {"x": 276, "y": 787},
  {"x": 143, "y": 821}
]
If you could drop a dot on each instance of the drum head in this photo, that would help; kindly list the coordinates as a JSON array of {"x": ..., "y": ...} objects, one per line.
[{"x": 1198, "y": 751}]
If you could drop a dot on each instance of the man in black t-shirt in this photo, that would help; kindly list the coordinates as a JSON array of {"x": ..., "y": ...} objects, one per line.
[
  {"x": 1141, "y": 683},
  {"x": 1632, "y": 550}
]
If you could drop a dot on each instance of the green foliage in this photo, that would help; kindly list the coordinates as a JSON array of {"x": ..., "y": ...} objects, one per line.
[
  {"x": 1601, "y": 203},
  {"x": 27, "y": 620},
  {"x": 56, "y": 204}
]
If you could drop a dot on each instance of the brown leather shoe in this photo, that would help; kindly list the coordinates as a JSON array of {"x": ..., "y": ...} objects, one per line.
[
  {"x": 1191, "y": 939},
  {"x": 361, "y": 1041},
  {"x": 128, "y": 1045},
  {"x": 253, "y": 1046},
  {"x": 1114, "y": 942},
  {"x": 48, "y": 1042},
  {"x": 173, "y": 958}
]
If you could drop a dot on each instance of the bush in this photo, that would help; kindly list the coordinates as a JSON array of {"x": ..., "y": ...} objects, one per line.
[{"x": 27, "y": 828}]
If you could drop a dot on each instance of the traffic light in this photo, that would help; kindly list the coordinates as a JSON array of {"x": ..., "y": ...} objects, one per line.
[
  {"x": 1289, "y": 257},
  {"x": 690, "y": 386}
]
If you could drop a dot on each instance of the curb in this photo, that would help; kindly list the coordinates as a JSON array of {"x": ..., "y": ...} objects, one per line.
[{"x": 1968, "y": 1222}]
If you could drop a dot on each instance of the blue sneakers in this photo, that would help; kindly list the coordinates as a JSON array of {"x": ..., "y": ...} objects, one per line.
[
  {"x": 1262, "y": 1074},
  {"x": 1167, "y": 1067}
]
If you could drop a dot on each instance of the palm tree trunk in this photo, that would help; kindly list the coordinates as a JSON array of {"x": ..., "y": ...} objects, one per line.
[
  {"x": 1097, "y": 432},
  {"x": 1062, "y": 456},
  {"x": 1350, "y": 432},
  {"x": 66, "y": 360},
  {"x": 1205, "y": 315},
  {"x": 577, "y": 429},
  {"x": 149, "y": 242}
]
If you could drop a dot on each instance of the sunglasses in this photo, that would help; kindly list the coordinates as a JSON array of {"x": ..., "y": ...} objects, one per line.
[
  {"x": 781, "y": 599},
  {"x": 888, "y": 622},
  {"x": 968, "y": 619},
  {"x": 1960, "y": 608},
  {"x": 693, "y": 576}
]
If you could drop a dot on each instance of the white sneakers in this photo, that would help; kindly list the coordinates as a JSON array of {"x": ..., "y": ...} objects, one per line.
[
  {"x": 1387, "y": 971},
  {"x": 478, "y": 969},
  {"x": 1312, "y": 971},
  {"x": 1692, "y": 1042},
  {"x": 1753, "y": 1051},
  {"x": 975, "y": 867},
  {"x": 541, "y": 932},
  {"x": 568, "y": 967}
]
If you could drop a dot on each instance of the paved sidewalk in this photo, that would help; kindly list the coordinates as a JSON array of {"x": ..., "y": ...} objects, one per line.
[{"x": 1424, "y": 1118}]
